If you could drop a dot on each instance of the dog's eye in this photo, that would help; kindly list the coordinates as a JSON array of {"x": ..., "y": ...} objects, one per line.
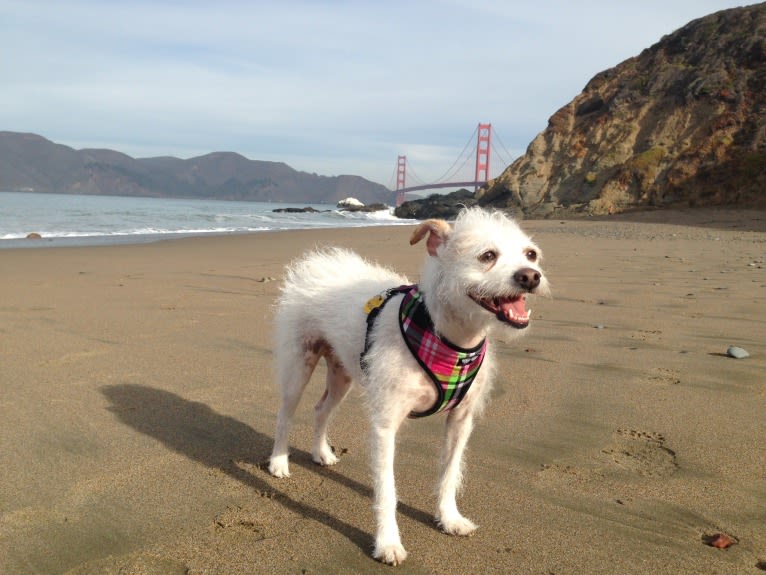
[
  {"x": 488, "y": 257},
  {"x": 532, "y": 255}
]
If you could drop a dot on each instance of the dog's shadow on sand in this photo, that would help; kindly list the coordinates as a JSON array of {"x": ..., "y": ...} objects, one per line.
[{"x": 221, "y": 442}]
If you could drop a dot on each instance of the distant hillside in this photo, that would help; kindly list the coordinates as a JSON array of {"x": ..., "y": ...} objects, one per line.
[
  {"x": 30, "y": 162},
  {"x": 682, "y": 124}
]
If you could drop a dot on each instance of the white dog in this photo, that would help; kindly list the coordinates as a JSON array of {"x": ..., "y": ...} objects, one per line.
[{"x": 477, "y": 275}]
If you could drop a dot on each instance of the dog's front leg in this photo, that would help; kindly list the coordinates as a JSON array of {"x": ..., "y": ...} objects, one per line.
[
  {"x": 459, "y": 427},
  {"x": 388, "y": 545}
]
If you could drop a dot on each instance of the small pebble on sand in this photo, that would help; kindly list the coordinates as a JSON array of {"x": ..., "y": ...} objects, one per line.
[{"x": 737, "y": 352}]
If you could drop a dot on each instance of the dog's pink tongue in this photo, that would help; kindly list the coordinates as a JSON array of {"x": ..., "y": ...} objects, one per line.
[{"x": 515, "y": 308}]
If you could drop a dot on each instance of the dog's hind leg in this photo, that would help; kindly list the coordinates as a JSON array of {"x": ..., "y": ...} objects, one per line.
[
  {"x": 293, "y": 372},
  {"x": 458, "y": 430},
  {"x": 338, "y": 385}
]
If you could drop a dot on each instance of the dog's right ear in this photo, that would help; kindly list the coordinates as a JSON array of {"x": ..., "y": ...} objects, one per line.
[{"x": 437, "y": 230}]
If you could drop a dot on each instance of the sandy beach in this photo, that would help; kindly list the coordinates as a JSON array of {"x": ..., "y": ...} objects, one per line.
[{"x": 138, "y": 407}]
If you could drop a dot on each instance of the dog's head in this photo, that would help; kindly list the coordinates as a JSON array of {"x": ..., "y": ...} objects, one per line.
[{"x": 483, "y": 265}]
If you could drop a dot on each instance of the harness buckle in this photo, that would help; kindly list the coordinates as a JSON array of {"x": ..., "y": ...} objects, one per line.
[{"x": 374, "y": 303}]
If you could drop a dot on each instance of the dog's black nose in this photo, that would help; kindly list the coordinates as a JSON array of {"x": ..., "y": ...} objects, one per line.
[{"x": 527, "y": 278}]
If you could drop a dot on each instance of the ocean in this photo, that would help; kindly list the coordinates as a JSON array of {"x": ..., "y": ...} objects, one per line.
[{"x": 71, "y": 220}]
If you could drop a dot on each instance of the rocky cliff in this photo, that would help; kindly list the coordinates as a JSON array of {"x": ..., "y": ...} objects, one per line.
[
  {"x": 682, "y": 124},
  {"x": 29, "y": 162}
]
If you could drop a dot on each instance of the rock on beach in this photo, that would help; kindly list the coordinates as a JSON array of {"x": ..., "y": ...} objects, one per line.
[{"x": 737, "y": 352}]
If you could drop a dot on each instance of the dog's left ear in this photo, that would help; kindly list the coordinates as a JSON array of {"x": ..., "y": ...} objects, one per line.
[{"x": 437, "y": 230}]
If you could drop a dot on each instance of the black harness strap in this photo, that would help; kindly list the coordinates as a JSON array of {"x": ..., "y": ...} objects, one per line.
[{"x": 373, "y": 307}]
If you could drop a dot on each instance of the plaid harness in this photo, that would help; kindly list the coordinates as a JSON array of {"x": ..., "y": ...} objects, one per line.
[{"x": 451, "y": 368}]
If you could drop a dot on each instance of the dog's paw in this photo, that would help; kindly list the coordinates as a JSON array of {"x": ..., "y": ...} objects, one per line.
[
  {"x": 324, "y": 456},
  {"x": 457, "y": 525},
  {"x": 390, "y": 553},
  {"x": 278, "y": 466}
]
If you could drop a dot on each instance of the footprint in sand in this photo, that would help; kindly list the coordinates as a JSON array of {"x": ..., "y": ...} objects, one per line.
[
  {"x": 641, "y": 452},
  {"x": 647, "y": 335},
  {"x": 237, "y": 519},
  {"x": 666, "y": 376}
]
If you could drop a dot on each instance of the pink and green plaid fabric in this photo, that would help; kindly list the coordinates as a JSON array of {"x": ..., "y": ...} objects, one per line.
[{"x": 451, "y": 368}]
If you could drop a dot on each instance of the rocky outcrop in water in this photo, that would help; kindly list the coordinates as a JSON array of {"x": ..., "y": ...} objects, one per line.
[
  {"x": 682, "y": 124},
  {"x": 443, "y": 206}
]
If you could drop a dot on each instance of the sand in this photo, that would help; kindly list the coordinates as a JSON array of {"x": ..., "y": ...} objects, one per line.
[{"x": 137, "y": 410}]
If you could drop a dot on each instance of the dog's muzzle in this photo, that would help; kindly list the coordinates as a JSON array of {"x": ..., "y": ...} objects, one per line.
[{"x": 512, "y": 309}]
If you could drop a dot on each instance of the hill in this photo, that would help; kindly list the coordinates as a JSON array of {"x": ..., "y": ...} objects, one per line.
[
  {"x": 681, "y": 124},
  {"x": 30, "y": 162}
]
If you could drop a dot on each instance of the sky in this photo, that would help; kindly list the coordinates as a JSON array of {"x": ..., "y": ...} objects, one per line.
[{"x": 327, "y": 86}]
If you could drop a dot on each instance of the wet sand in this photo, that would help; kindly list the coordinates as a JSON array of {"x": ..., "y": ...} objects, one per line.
[{"x": 137, "y": 410}]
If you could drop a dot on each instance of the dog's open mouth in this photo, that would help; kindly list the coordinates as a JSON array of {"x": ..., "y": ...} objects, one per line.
[{"x": 510, "y": 310}]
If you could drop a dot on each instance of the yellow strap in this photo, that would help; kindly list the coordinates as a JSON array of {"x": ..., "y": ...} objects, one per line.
[{"x": 373, "y": 303}]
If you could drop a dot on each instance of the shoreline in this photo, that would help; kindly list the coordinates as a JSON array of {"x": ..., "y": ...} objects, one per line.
[
  {"x": 74, "y": 220},
  {"x": 138, "y": 408},
  {"x": 724, "y": 218},
  {"x": 140, "y": 239},
  {"x": 115, "y": 240}
]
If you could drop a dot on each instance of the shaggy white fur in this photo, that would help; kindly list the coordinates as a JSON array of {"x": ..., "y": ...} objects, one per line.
[{"x": 476, "y": 277}]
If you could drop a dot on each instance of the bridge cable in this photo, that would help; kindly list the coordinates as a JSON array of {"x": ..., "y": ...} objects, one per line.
[
  {"x": 448, "y": 172},
  {"x": 465, "y": 161},
  {"x": 411, "y": 173},
  {"x": 499, "y": 162},
  {"x": 509, "y": 160},
  {"x": 392, "y": 179}
]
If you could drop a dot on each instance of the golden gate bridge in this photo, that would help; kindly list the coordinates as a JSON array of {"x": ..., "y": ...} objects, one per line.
[{"x": 484, "y": 149}]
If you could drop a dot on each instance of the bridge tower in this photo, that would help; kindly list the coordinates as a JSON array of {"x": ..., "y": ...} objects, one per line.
[
  {"x": 481, "y": 176},
  {"x": 401, "y": 171},
  {"x": 483, "y": 144}
]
